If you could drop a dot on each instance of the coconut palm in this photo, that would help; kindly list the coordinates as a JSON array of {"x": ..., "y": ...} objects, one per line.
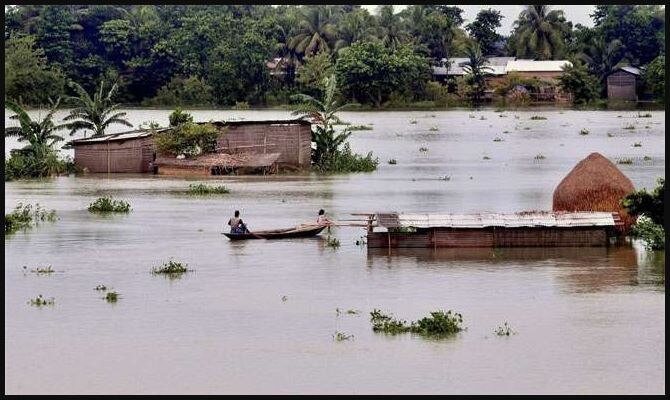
[
  {"x": 602, "y": 56},
  {"x": 324, "y": 115},
  {"x": 315, "y": 32},
  {"x": 355, "y": 26},
  {"x": 390, "y": 27},
  {"x": 539, "y": 33},
  {"x": 39, "y": 134},
  {"x": 95, "y": 114},
  {"x": 476, "y": 72}
]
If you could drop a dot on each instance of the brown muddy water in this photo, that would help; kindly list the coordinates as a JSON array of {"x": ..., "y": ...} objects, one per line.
[{"x": 587, "y": 320}]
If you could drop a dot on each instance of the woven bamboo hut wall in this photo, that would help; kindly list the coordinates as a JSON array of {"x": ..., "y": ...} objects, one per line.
[{"x": 594, "y": 184}]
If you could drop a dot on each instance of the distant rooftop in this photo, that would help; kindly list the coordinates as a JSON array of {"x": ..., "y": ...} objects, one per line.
[{"x": 537, "y": 66}]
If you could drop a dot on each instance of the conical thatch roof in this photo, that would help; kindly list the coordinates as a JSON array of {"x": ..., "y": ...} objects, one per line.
[{"x": 594, "y": 184}]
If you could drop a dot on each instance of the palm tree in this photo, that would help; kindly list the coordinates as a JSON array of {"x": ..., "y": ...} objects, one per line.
[
  {"x": 601, "y": 56},
  {"x": 314, "y": 33},
  {"x": 324, "y": 115},
  {"x": 476, "y": 72},
  {"x": 39, "y": 134},
  {"x": 95, "y": 114},
  {"x": 539, "y": 33},
  {"x": 390, "y": 28},
  {"x": 355, "y": 26}
]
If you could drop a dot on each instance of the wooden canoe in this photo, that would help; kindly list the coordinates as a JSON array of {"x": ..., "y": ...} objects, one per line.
[{"x": 300, "y": 231}]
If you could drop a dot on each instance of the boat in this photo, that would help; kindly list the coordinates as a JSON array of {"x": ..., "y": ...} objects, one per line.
[{"x": 300, "y": 231}]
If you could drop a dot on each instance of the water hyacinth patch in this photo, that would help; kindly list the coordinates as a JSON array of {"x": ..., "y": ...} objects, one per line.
[
  {"x": 637, "y": 144},
  {"x": 202, "y": 189},
  {"x": 438, "y": 324},
  {"x": 40, "y": 301},
  {"x": 504, "y": 330},
  {"x": 360, "y": 128},
  {"x": 171, "y": 268},
  {"x": 107, "y": 204},
  {"x": 393, "y": 161},
  {"x": 111, "y": 297},
  {"x": 341, "y": 336},
  {"x": 332, "y": 242},
  {"x": 584, "y": 131},
  {"x": 537, "y": 117},
  {"x": 540, "y": 156},
  {"x": 625, "y": 161},
  {"x": 24, "y": 217}
]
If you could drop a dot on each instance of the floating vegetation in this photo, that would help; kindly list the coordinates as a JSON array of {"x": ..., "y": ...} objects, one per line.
[
  {"x": 439, "y": 324},
  {"x": 284, "y": 298},
  {"x": 505, "y": 131},
  {"x": 43, "y": 270},
  {"x": 498, "y": 139},
  {"x": 423, "y": 149},
  {"x": 609, "y": 134},
  {"x": 111, "y": 297},
  {"x": 482, "y": 118},
  {"x": 537, "y": 117},
  {"x": 207, "y": 189},
  {"x": 527, "y": 128},
  {"x": 504, "y": 330},
  {"x": 362, "y": 241},
  {"x": 353, "y": 312},
  {"x": 540, "y": 156},
  {"x": 433, "y": 129},
  {"x": 619, "y": 116},
  {"x": 171, "y": 268},
  {"x": 626, "y": 161},
  {"x": 40, "y": 301},
  {"x": 471, "y": 116},
  {"x": 645, "y": 115},
  {"x": 412, "y": 121},
  {"x": 647, "y": 158},
  {"x": 584, "y": 131},
  {"x": 502, "y": 115},
  {"x": 393, "y": 161},
  {"x": 637, "y": 144},
  {"x": 332, "y": 242},
  {"x": 445, "y": 178},
  {"x": 107, "y": 204},
  {"x": 100, "y": 287},
  {"x": 341, "y": 336},
  {"x": 360, "y": 128},
  {"x": 24, "y": 217},
  {"x": 486, "y": 158},
  {"x": 629, "y": 127},
  {"x": 350, "y": 311}
]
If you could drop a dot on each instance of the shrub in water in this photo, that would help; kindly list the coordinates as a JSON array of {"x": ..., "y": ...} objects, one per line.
[
  {"x": 24, "y": 217},
  {"x": 111, "y": 297},
  {"x": 171, "y": 268},
  {"x": 652, "y": 234},
  {"x": 537, "y": 117},
  {"x": 107, "y": 204},
  {"x": 40, "y": 301},
  {"x": 439, "y": 324},
  {"x": 206, "y": 189},
  {"x": 504, "y": 330}
]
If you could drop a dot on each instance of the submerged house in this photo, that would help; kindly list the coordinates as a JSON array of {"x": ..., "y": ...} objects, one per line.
[
  {"x": 622, "y": 83},
  {"x": 242, "y": 147},
  {"x": 523, "y": 229}
]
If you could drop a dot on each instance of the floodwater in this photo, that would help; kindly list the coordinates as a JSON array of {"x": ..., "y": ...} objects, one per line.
[{"x": 259, "y": 316}]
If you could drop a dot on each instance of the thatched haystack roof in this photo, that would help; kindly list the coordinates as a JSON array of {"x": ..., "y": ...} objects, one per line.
[{"x": 594, "y": 184}]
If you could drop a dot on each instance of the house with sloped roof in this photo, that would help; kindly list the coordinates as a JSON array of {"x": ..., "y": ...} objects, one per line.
[{"x": 622, "y": 83}]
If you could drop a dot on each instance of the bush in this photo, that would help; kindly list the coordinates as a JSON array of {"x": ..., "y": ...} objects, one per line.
[
  {"x": 206, "y": 189},
  {"x": 190, "y": 91},
  {"x": 189, "y": 139},
  {"x": 651, "y": 204},
  {"x": 345, "y": 160},
  {"x": 241, "y": 105},
  {"x": 108, "y": 205},
  {"x": 583, "y": 86},
  {"x": 652, "y": 234},
  {"x": 171, "y": 268},
  {"x": 439, "y": 324},
  {"x": 25, "y": 164},
  {"x": 24, "y": 217},
  {"x": 179, "y": 117}
]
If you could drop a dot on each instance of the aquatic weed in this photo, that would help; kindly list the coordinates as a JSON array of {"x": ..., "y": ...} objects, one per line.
[
  {"x": 637, "y": 144},
  {"x": 438, "y": 324},
  {"x": 445, "y": 178},
  {"x": 584, "y": 131},
  {"x": 201, "y": 189},
  {"x": 537, "y": 117},
  {"x": 341, "y": 336},
  {"x": 332, "y": 242},
  {"x": 111, "y": 297},
  {"x": 497, "y": 139},
  {"x": 646, "y": 115},
  {"x": 433, "y": 129},
  {"x": 629, "y": 127},
  {"x": 40, "y": 301},
  {"x": 360, "y": 128},
  {"x": 393, "y": 161},
  {"x": 504, "y": 330},
  {"x": 24, "y": 217},
  {"x": 171, "y": 268},
  {"x": 647, "y": 158},
  {"x": 540, "y": 156},
  {"x": 423, "y": 149},
  {"x": 100, "y": 287},
  {"x": 486, "y": 158},
  {"x": 43, "y": 270},
  {"x": 412, "y": 121},
  {"x": 625, "y": 161},
  {"x": 107, "y": 204}
]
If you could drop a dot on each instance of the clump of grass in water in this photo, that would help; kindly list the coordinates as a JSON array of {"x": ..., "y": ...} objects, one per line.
[
  {"x": 647, "y": 158},
  {"x": 504, "y": 330},
  {"x": 202, "y": 188},
  {"x": 629, "y": 127},
  {"x": 646, "y": 115},
  {"x": 360, "y": 128},
  {"x": 445, "y": 178},
  {"x": 584, "y": 132},
  {"x": 540, "y": 156},
  {"x": 609, "y": 134},
  {"x": 626, "y": 161},
  {"x": 505, "y": 131},
  {"x": 637, "y": 144},
  {"x": 350, "y": 311},
  {"x": 40, "y": 301},
  {"x": 498, "y": 139},
  {"x": 486, "y": 158},
  {"x": 43, "y": 270},
  {"x": 412, "y": 121},
  {"x": 332, "y": 242},
  {"x": 107, "y": 204},
  {"x": 537, "y": 117},
  {"x": 423, "y": 149},
  {"x": 24, "y": 217},
  {"x": 100, "y": 287},
  {"x": 433, "y": 129},
  {"x": 341, "y": 336},
  {"x": 112, "y": 297},
  {"x": 393, "y": 161},
  {"x": 438, "y": 324},
  {"x": 171, "y": 268}
]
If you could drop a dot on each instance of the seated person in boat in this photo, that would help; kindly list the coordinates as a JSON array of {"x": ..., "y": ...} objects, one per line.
[
  {"x": 322, "y": 219},
  {"x": 236, "y": 224}
]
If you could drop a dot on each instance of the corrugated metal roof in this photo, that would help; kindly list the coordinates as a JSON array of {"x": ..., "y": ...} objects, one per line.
[
  {"x": 454, "y": 66},
  {"x": 536, "y": 66},
  {"x": 115, "y": 136},
  {"x": 629, "y": 69},
  {"x": 482, "y": 220}
]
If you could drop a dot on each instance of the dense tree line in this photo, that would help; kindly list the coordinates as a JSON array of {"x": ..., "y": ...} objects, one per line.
[{"x": 216, "y": 54}]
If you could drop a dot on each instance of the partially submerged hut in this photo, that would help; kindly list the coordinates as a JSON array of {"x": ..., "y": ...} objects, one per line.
[
  {"x": 594, "y": 184},
  {"x": 119, "y": 152}
]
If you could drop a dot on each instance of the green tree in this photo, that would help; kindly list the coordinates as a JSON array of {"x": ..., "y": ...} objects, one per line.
[
  {"x": 577, "y": 81},
  {"x": 483, "y": 29},
  {"x": 28, "y": 77},
  {"x": 179, "y": 117},
  {"x": 314, "y": 32},
  {"x": 95, "y": 113},
  {"x": 539, "y": 33},
  {"x": 355, "y": 26},
  {"x": 38, "y": 134},
  {"x": 651, "y": 204},
  {"x": 391, "y": 30},
  {"x": 312, "y": 74},
  {"x": 191, "y": 91},
  {"x": 602, "y": 57},
  {"x": 476, "y": 72},
  {"x": 654, "y": 77}
]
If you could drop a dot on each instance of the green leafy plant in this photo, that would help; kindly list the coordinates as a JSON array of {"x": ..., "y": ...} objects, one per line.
[
  {"x": 423, "y": 149},
  {"x": 540, "y": 156},
  {"x": 537, "y": 117},
  {"x": 653, "y": 235},
  {"x": 584, "y": 131},
  {"x": 24, "y": 217},
  {"x": 43, "y": 270},
  {"x": 629, "y": 127},
  {"x": 437, "y": 324},
  {"x": 341, "y": 336},
  {"x": 393, "y": 161},
  {"x": 107, "y": 204},
  {"x": 100, "y": 287},
  {"x": 433, "y": 129},
  {"x": 171, "y": 268},
  {"x": 504, "y": 330},
  {"x": 637, "y": 144},
  {"x": 203, "y": 189},
  {"x": 40, "y": 301},
  {"x": 332, "y": 242},
  {"x": 111, "y": 297},
  {"x": 625, "y": 161},
  {"x": 497, "y": 139},
  {"x": 645, "y": 115},
  {"x": 188, "y": 138},
  {"x": 360, "y": 128},
  {"x": 646, "y": 158}
]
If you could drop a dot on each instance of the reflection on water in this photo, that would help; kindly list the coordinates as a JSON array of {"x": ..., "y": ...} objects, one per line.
[{"x": 258, "y": 316}]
